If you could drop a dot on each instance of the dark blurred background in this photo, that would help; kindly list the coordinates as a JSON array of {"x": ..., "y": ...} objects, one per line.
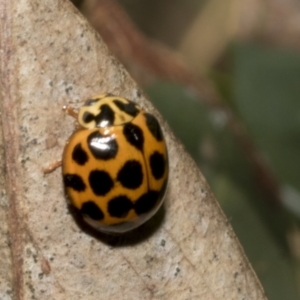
[{"x": 226, "y": 77}]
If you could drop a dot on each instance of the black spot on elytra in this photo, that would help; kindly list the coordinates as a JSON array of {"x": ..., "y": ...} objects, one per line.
[
  {"x": 129, "y": 108},
  {"x": 134, "y": 135},
  {"x": 91, "y": 210},
  {"x": 119, "y": 206},
  {"x": 106, "y": 116},
  {"x": 100, "y": 182},
  {"x": 101, "y": 146},
  {"x": 79, "y": 155},
  {"x": 146, "y": 202},
  {"x": 154, "y": 127},
  {"x": 74, "y": 182},
  {"x": 131, "y": 174},
  {"x": 157, "y": 165},
  {"x": 88, "y": 117}
]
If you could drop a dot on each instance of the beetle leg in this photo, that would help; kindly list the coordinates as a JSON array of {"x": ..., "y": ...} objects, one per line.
[{"x": 52, "y": 167}]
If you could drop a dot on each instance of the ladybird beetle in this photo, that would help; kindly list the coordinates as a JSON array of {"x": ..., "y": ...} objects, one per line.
[{"x": 115, "y": 164}]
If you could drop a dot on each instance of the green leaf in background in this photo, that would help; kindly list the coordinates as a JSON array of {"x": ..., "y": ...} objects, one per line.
[{"x": 267, "y": 95}]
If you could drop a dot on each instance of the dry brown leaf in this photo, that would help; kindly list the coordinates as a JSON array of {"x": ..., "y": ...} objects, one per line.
[
  {"x": 145, "y": 58},
  {"x": 273, "y": 22},
  {"x": 50, "y": 56},
  {"x": 211, "y": 32},
  {"x": 222, "y": 22}
]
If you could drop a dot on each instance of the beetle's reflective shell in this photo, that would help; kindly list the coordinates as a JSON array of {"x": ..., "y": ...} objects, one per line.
[{"x": 115, "y": 166}]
